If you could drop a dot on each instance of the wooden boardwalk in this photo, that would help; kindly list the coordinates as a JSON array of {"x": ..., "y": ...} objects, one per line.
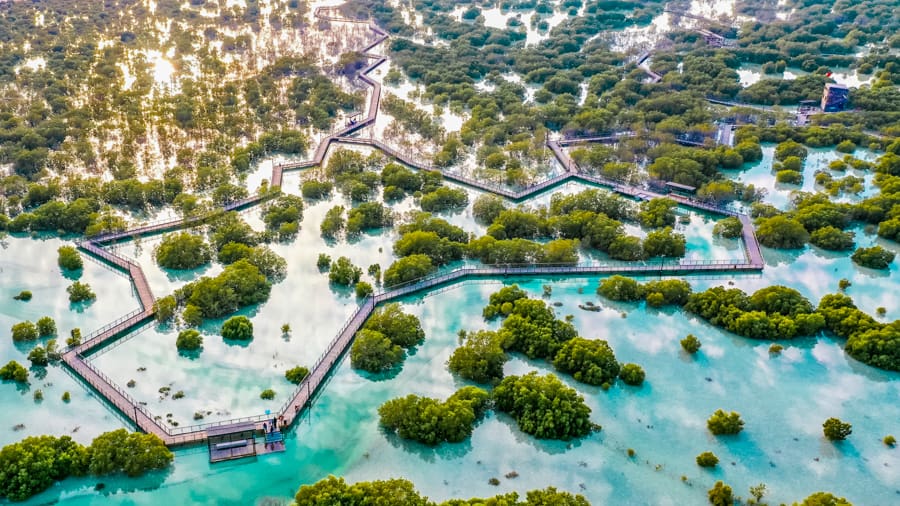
[{"x": 74, "y": 357}]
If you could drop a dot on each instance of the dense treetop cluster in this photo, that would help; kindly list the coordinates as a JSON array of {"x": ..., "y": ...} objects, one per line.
[{"x": 33, "y": 464}]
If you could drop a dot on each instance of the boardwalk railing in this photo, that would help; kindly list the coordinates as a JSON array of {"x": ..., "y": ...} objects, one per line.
[
  {"x": 74, "y": 357},
  {"x": 89, "y": 340}
]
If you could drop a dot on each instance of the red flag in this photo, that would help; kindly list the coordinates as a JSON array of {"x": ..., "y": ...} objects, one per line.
[{"x": 828, "y": 74}]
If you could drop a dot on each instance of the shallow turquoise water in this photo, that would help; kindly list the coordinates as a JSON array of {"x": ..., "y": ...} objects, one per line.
[
  {"x": 780, "y": 398},
  {"x": 27, "y": 264},
  {"x": 783, "y": 401},
  {"x": 779, "y": 194}
]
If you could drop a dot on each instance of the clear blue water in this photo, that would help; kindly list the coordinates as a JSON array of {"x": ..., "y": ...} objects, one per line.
[
  {"x": 27, "y": 264},
  {"x": 760, "y": 174},
  {"x": 783, "y": 399}
]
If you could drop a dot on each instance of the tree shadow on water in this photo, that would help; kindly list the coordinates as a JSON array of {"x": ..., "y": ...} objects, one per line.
[
  {"x": 430, "y": 454},
  {"x": 387, "y": 375},
  {"x": 548, "y": 446}
]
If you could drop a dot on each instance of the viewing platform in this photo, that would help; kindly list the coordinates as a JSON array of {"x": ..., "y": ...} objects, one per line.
[{"x": 232, "y": 438}]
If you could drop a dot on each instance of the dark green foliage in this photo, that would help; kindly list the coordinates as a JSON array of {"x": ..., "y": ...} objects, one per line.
[
  {"x": 480, "y": 358},
  {"x": 189, "y": 340},
  {"x": 725, "y": 423},
  {"x": 296, "y": 375},
  {"x": 517, "y": 223},
  {"x": 430, "y": 421},
  {"x": 730, "y": 227},
  {"x": 79, "y": 292},
  {"x": 842, "y": 316},
  {"x": 833, "y": 239},
  {"x": 368, "y": 216},
  {"x": 232, "y": 252},
  {"x": 781, "y": 232},
  {"x": 407, "y": 269},
  {"x": 239, "y": 284},
  {"x": 38, "y": 356},
  {"x": 532, "y": 328},
  {"x": 425, "y": 222},
  {"x": 229, "y": 227},
  {"x": 14, "y": 371},
  {"x": 69, "y": 258},
  {"x": 627, "y": 248},
  {"x": 30, "y": 466},
  {"x": 815, "y": 213},
  {"x": 444, "y": 199},
  {"x": 621, "y": 288},
  {"x": 596, "y": 201},
  {"x": 239, "y": 328},
  {"x": 836, "y": 430},
  {"x": 267, "y": 394},
  {"x": 131, "y": 453},
  {"x": 501, "y": 301},
  {"x": 401, "y": 328},
  {"x": 875, "y": 257},
  {"x": 323, "y": 262},
  {"x": 33, "y": 464},
  {"x": 550, "y": 496},
  {"x": 333, "y": 223},
  {"x": 775, "y": 312},
  {"x": 487, "y": 207},
  {"x": 394, "y": 175},
  {"x": 588, "y": 361},
  {"x": 343, "y": 272},
  {"x": 282, "y": 215},
  {"x": 664, "y": 243},
  {"x": 182, "y": 251},
  {"x": 657, "y": 213},
  {"x": 707, "y": 459},
  {"x": 824, "y": 499},
  {"x": 788, "y": 176},
  {"x": 667, "y": 292},
  {"x": 720, "y": 495},
  {"x": 363, "y": 289},
  {"x": 439, "y": 249},
  {"x": 269, "y": 263},
  {"x": 790, "y": 148},
  {"x": 165, "y": 307},
  {"x": 632, "y": 374},
  {"x": 691, "y": 344},
  {"x": 24, "y": 331},
  {"x": 314, "y": 190},
  {"x": 24, "y": 295},
  {"x": 543, "y": 406},
  {"x": 520, "y": 251},
  {"x": 780, "y": 299},
  {"x": 878, "y": 347},
  {"x": 333, "y": 491},
  {"x": 46, "y": 326},
  {"x": 373, "y": 352}
]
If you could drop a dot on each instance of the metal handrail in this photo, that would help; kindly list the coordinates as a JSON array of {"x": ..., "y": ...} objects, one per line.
[
  {"x": 86, "y": 344},
  {"x": 359, "y": 315}
]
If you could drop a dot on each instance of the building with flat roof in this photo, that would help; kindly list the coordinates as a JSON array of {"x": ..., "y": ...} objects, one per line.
[{"x": 835, "y": 97}]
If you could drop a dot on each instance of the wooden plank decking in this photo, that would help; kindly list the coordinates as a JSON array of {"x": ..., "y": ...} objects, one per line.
[{"x": 75, "y": 359}]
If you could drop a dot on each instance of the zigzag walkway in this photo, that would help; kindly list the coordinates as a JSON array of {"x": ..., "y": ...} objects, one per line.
[{"x": 134, "y": 410}]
